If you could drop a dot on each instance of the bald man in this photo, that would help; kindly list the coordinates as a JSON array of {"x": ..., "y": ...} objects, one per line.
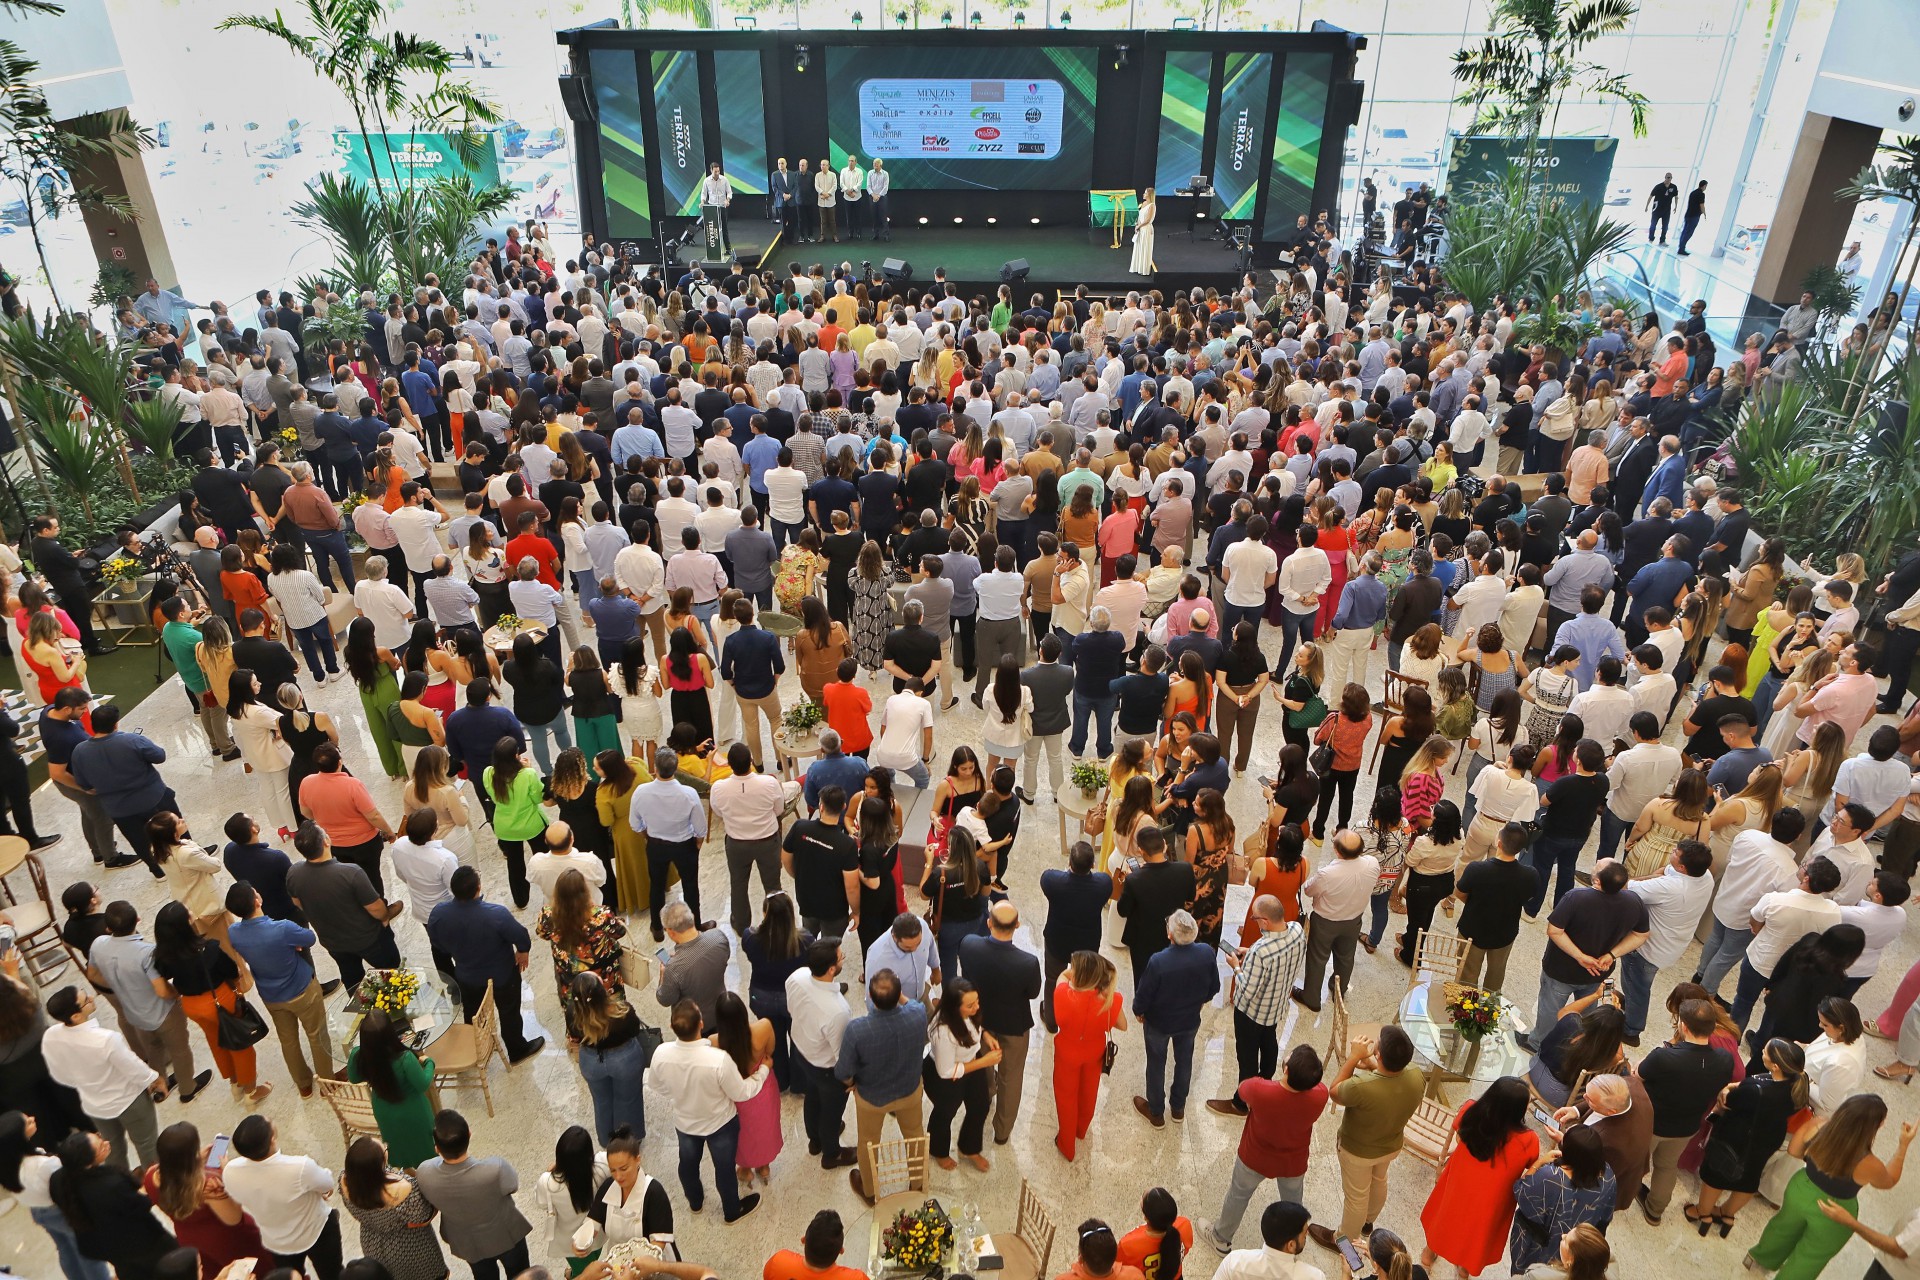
[
  {"x": 545, "y": 869},
  {"x": 1007, "y": 978}
]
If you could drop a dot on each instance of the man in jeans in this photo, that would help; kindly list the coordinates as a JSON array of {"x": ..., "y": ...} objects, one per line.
[
  {"x": 1052, "y": 685},
  {"x": 340, "y": 903},
  {"x": 1758, "y": 863},
  {"x": 121, "y": 961},
  {"x": 1683, "y": 1081},
  {"x": 1099, "y": 657},
  {"x": 1567, "y": 811},
  {"x": 1586, "y": 936},
  {"x": 819, "y": 1013},
  {"x": 1675, "y": 900},
  {"x": 1778, "y": 921},
  {"x": 748, "y": 805},
  {"x": 880, "y": 1058},
  {"x": 706, "y": 1087},
  {"x": 824, "y": 863},
  {"x": 278, "y": 953},
  {"x": 1494, "y": 891},
  {"x": 1274, "y": 1141},
  {"x": 317, "y": 518},
  {"x": 1263, "y": 976},
  {"x": 1643, "y": 772},
  {"x": 752, "y": 663},
  {"x": 287, "y": 1196},
  {"x": 1378, "y": 1090},
  {"x": 1179, "y": 981},
  {"x": 478, "y": 1219}
]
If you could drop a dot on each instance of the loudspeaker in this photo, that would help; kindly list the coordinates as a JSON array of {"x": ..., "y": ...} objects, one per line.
[
  {"x": 1348, "y": 97},
  {"x": 896, "y": 269},
  {"x": 577, "y": 96},
  {"x": 1014, "y": 269}
]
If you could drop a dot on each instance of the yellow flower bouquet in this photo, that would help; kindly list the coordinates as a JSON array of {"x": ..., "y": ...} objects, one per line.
[
  {"x": 918, "y": 1239},
  {"x": 1475, "y": 1013},
  {"x": 389, "y": 990}
]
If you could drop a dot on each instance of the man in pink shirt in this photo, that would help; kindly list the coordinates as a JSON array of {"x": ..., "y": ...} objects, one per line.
[
  {"x": 340, "y": 805},
  {"x": 1182, "y": 609},
  {"x": 1847, "y": 698}
]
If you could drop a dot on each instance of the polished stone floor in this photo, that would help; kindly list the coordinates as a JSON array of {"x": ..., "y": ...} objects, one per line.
[{"x": 1122, "y": 1157}]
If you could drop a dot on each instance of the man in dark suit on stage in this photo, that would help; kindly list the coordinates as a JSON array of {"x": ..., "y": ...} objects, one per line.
[{"x": 786, "y": 200}]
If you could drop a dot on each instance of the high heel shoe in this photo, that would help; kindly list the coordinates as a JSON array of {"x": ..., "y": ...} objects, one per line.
[
  {"x": 1702, "y": 1221},
  {"x": 1726, "y": 1224},
  {"x": 1898, "y": 1077}
]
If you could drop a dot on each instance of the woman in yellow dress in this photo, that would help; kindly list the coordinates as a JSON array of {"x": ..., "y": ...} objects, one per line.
[{"x": 619, "y": 775}]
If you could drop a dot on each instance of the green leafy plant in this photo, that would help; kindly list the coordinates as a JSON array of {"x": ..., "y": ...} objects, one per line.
[
  {"x": 803, "y": 717},
  {"x": 1896, "y": 179},
  {"x": 354, "y": 221},
  {"x": 65, "y": 442},
  {"x": 112, "y": 283},
  {"x": 1505, "y": 239},
  {"x": 1091, "y": 778},
  {"x": 1835, "y": 294},
  {"x": 151, "y": 424}
]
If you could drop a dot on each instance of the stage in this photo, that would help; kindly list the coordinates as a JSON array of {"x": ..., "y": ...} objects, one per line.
[{"x": 1060, "y": 257}]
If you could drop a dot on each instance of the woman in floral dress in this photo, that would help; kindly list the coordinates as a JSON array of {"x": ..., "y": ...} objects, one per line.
[
  {"x": 584, "y": 936},
  {"x": 870, "y": 583},
  {"x": 793, "y": 577},
  {"x": 1209, "y": 842}
]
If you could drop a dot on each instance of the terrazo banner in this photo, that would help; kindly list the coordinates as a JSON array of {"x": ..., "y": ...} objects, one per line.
[
  {"x": 422, "y": 155},
  {"x": 1576, "y": 169}
]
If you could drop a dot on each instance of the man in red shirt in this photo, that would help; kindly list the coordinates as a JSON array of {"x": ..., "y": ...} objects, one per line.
[
  {"x": 529, "y": 541},
  {"x": 818, "y": 1259},
  {"x": 1672, "y": 365},
  {"x": 848, "y": 708},
  {"x": 1274, "y": 1142}
]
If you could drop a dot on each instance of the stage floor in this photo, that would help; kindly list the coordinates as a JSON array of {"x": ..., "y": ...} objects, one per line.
[{"x": 1060, "y": 257}]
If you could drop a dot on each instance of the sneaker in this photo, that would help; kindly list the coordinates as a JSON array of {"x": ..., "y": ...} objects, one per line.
[
  {"x": 119, "y": 860},
  {"x": 1206, "y": 1231},
  {"x": 747, "y": 1205}
]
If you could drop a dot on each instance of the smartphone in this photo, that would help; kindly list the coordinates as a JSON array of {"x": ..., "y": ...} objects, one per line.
[
  {"x": 217, "y": 1153},
  {"x": 1347, "y": 1251},
  {"x": 1266, "y": 783},
  {"x": 1227, "y": 949},
  {"x": 1545, "y": 1117}
]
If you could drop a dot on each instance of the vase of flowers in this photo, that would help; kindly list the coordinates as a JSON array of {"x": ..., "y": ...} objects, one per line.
[
  {"x": 917, "y": 1240},
  {"x": 1089, "y": 777},
  {"x": 1475, "y": 1014},
  {"x": 391, "y": 991}
]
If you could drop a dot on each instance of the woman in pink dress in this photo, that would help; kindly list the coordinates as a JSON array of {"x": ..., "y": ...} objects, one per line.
[
  {"x": 1336, "y": 540},
  {"x": 749, "y": 1041}
]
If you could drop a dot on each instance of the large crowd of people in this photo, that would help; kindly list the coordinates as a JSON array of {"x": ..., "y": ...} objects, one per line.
[{"x": 742, "y": 610}]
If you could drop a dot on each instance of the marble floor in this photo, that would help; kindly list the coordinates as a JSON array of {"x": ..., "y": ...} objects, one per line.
[{"x": 1122, "y": 1157}]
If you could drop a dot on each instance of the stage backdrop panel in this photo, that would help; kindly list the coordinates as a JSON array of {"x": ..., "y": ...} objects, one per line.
[
  {"x": 623, "y": 144},
  {"x": 743, "y": 119},
  {"x": 990, "y": 119},
  {"x": 1184, "y": 87},
  {"x": 681, "y": 129},
  {"x": 1297, "y": 130},
  {"x": 1243, "y": 120}
]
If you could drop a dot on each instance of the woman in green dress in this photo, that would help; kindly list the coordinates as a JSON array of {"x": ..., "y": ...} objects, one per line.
[
  {"x": 372, "y": 670},
  {"x": 518, "y": 794},
  {"x": 401, "y": 1081}
]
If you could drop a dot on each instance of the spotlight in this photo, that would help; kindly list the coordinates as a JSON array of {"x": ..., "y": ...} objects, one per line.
[
  {"x": 956, "y": 220},
  {"x": 991, "y": 221},
  {"x": 1066, "y": 18},
  {"x": 1020, "y": 18},
  {"x": 746, "y": 22},
  {"x": 802, "y": 59},
  {"x": 1120, "y": 57},
  {"x": 923, "y": 222},
  {"x": 975, "y": 20},
  {"x": 946, "y": 19},
  {"x": 858, "y": 18},
  {"x": 1034, "y": 221},
  {"x": 900, "y": 18}
]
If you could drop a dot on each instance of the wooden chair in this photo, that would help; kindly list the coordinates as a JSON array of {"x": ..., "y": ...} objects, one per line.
[
  {"x": 464, "y": 1051},
  {"x": 1024, "y": 1254},
  {"x": 1429, "y": 1134},
  {"x": 1438, "y": 958},
  {"x": 1392, "y": 701},
  {"x": 35, "y": 926},
  {"x": 899, "y": 1165},
  {"x": 1345, "y": 1031},
  {"x": 1548, "y": 1105},
  {"x": 352, "y": 1106}
]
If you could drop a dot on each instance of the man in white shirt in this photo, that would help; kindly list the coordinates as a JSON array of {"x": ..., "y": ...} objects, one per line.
[
  {"x": 1608, "y": 708},
  {"x": 642, "y": 574},
  {"x": 999, "y": 628},
  {"x": 1844, "y": 844},
  {"x": 1758, "y": 863},
  {"x": 749, "y": 806},
  {"x": 1641, "y": 773},
  {"x": 416, "y": 523},
  {"x": 1302, "y": 576},
  {"x": 718, "y": 520},
  {"x": 819, "y": 1013},
  {"x": 559, "y": 857},
  {"x": 1283, "y": 1234},
  {"x": 1675, "y": 901},
  {"x": 1248, "y": 568},
  {"x": 1882, "y": 917},
  {"x": 675, "y": 512},
  {"x": 905, "y": 740},
  {"x": 286, "y": 1196},
  {"x": 1778, "y": 921},
  {"x": 1877, "y": 779},
  {"x": 386, "y": 605},
  {"x": 1337, "y": 895},
  {"x": 786, "y": 498},
  {"x": 705, "y": 1088},
  {"x": 426, "y": 867},
  {"x": 116, "y": 1087}
]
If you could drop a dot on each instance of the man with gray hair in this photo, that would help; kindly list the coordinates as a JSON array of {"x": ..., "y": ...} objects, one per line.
[
  {"x": 834, "y": 768},
  {"x": 669, "y": 813},
  {"x": 1618, "y": 1109},
  {"x": 314, "y": 514},
  {"x": 1363, "y": 603},
  {"x": 696, "y": 969},
  {"x": 450, "y": 600},
  {"x": 1178, "y": 983},
  {"x": 385, "y": 605},
  {"x": 1099, "y": 657}
]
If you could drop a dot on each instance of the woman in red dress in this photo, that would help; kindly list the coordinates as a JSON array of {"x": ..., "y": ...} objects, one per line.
[
  {"x": 1086, "y": 1008},
  {"x": 1470, "y": 1212},
  {"x": 1336, "y": 540}
]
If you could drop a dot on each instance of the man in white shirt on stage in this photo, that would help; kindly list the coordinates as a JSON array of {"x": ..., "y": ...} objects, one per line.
[
  {"x": 853, "y": 185},
  {"x": 879, "y": 183},
  {"x": 716, "y": 193}
]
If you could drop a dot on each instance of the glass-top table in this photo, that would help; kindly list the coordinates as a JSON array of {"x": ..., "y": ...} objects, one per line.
[
  {"x": 434, "y": 1008},
  {"x": 1451, "y": 1058}
]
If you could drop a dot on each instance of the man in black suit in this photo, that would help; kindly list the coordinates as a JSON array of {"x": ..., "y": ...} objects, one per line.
[
  {"x": 1155, "y": 415},
  {"x": 62, "y": 571},
  {"x": 1641, "y": 543},
  {"x": 1634, "y": 469},
  {"x": 786, "y": 202}
]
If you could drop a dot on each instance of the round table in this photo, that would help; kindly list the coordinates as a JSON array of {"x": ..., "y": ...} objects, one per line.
[
  {"x": 1075, "y": 804},
  {"x": 793, "y": 751},
  {"x": 500, "y": 640},
  {"x": 1448, "y": 1056},
  {"x": 435, "y": 1007}
]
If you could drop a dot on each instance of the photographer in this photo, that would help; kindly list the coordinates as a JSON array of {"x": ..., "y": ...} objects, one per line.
[{"x": 72, "y": 579}]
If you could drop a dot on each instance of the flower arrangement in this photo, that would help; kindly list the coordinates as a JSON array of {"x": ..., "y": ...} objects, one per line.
[
  {"x": 1089, "y": 777},
  {"x": 917, "y": 1240},
  {"x": 508, "y": 623},
  {"x": 389, "y": 990},
  {"x": 121, "y": 568},
  {"x": 352, "y": 503},
  {"x": 289, "y": 437},
  {"x": 1475, "y": 1013},
  {"x": 803, "y": 717}
]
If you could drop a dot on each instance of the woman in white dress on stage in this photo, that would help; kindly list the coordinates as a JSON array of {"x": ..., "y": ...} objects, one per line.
[{"x": 1142, "y": 264}]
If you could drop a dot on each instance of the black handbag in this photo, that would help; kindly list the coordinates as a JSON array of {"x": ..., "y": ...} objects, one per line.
[
  {"x": 1107, "y": 1055},
  {"x": 650, "y": 1040},
  {"x": 240, "y": 1027}
]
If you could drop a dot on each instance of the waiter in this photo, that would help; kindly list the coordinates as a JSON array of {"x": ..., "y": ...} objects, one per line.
[
  {"x": 853, "y": 184},
  {"x": 879, "y": 182},
  {"x": 786, "y": 206},
  {"x": 1660, "y": 200},
  {"x": 716, "y": 193}
]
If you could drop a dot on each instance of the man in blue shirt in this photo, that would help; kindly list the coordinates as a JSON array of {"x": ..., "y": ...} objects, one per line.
[
  {"x": 880, "y": 1058},
  {"x": 1099, "y": 657},
  {"x": 248, "y": 858},
  {"x": 1568, "y": 578},
  {"x": 669, "y": 813},
  {"x": 752, "y": 663},
  {"x": 61, "y": 730},
  {"x": 1167, "y": 1000},
  {"x": 834, "y": 768},
  {"x": 1593, "y": 635},
  {"x": 474, "y": 730},
  {"x": 636, "y": 440},
  {"x": 1669, "y": 478},
  {"x": 423, "y": 396},
  {"x": 1363, "y": 602},
  {"x": 119, "y": 768},
  {"x": 1660, "y": 583},
  {"x": 486, "y": 944},
  {"x": 279, "y": 955}
]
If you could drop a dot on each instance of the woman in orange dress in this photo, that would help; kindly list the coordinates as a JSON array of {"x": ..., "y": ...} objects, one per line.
[
  {"x": 49, "y": 660},
  {"x": 1336, "y": 540},
  {"x": 1278, "y": 873},
  {"x": 1191, "y": 691},
  {"x": 1085, "y": 1008},
  {"x": 1470, "y": 1212}
]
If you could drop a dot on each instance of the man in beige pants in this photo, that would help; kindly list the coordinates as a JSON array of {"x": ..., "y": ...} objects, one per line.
[
  {"x": 751, "y": 662},
  {"x": 880, "y": 1059},
  {"x": 1378, "y": 1102},
  {"x": 279, "y": 955}
]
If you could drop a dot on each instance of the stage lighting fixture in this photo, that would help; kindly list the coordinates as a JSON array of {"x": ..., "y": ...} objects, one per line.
[
  {"x": 991, "y": 221},
  {"x": 946, "y": 19},
  {"x": 923, "y": 221},
  {"x": 975, "y": 20},
  {"x": 1014, "y": 270},
  {"x": 900, "y": 19},
  {"x": 746, "y": 22},
  {"x": 858, "y": 18},
  {"x": 1034, "y": 221},
  {"x": 1020, "y": 18},
  {"x": 1120, "y": 57},
  {"x": 956, "y": 219},
  {"x": 802, "y": 59},
  {"x": 1066, "y": 18}
]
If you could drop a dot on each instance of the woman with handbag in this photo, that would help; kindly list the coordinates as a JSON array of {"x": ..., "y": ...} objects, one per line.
[
  {"x": 1339, "y": 745},
  {"x": 209, "y": 982},
  {"x": 1563, "y": 1190},
  {"x": 954, "y": 1071},
  {"x": 1300, "y": 695},
  {"x": 956, "y": 889},
  {"x": 1087, "y": 1010}
]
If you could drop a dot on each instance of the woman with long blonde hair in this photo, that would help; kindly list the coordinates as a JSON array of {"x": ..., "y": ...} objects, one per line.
[
  {"x": 432, "y": 785},
  {"x": 612, "y": 1060}
]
